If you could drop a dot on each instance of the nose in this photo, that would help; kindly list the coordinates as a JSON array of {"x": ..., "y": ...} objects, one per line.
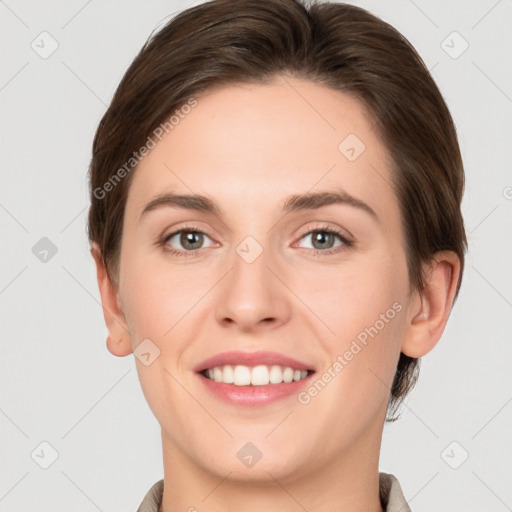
[{"x": 252, "y": 296}]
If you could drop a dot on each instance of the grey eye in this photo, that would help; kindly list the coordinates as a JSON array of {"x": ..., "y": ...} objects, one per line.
[
  {"x": 188, "y": 240},
  {"x": 322, "y": 239}
]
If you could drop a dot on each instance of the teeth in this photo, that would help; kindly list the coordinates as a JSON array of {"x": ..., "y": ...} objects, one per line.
[
  {"x": 261, "y": 375},
  {"x": 228, "y": 375},
  {"x": 217, "y": 374},
  {"x": 242, "y": 376},
  {"x": 288, "y": 374}
]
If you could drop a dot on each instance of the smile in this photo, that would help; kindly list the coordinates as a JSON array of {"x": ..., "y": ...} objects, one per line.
[{"x": 253, "y": 379}]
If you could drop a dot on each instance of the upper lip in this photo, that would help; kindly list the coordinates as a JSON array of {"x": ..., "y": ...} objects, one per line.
[{"x": 251, "y": 359}]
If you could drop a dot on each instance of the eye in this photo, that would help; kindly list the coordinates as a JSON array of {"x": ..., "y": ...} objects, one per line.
[
  {"x": 325, "y": 239},
  {"x": 187, "y": 240}
]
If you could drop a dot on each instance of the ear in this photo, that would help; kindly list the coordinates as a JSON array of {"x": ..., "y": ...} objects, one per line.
[
  {"x": 430, "y": 307},
  {"x": 118, "y": 339}
]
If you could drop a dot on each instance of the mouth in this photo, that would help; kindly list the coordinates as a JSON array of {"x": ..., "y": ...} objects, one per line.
[{"x": 253, "y": 378}]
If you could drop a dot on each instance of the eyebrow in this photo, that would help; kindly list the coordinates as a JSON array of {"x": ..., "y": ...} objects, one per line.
[{"x": 294, "y": 203}]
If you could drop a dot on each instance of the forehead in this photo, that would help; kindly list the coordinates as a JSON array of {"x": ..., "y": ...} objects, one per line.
[{"x": 254, "y": 142}]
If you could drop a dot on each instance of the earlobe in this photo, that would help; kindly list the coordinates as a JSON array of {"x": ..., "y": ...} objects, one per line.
[
  {"x": 118, "y": 339},
  {"x": 430, "y": 307},
  {"x": 118, "y": 347}
]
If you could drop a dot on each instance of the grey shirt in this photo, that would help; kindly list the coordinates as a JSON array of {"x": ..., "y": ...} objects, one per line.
[{"x": 391, "y": 496}]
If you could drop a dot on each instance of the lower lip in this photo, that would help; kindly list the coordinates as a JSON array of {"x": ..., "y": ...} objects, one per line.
[{"x": 254, "y": 396}]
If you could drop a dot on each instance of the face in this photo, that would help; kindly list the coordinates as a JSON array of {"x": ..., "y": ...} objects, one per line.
[{"x": 293, "y": 258}]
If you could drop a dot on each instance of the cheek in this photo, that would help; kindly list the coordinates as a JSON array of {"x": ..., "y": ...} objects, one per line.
[
  {"x": 156, "y": 295},
  {"x": 347, "y": 299},
  {"x": 159, "y": 304},
  {"x": 359, "y": 316}
]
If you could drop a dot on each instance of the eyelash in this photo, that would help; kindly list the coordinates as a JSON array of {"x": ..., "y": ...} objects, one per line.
[{"x": 347, "y": 243}]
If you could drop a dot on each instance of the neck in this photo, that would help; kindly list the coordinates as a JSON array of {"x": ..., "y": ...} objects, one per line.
[{"x": 349, "y": 482}]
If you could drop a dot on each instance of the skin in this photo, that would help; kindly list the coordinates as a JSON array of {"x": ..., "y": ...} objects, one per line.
[{"x": 249, "y": 147}]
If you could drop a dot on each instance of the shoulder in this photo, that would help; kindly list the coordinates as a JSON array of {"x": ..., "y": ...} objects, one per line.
[
  {"x": 153, "y": 498},
  {"x": 391, "y": 495}
]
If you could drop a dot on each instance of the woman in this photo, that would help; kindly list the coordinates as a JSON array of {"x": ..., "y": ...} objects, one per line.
[{"x": 275, "y": 219}]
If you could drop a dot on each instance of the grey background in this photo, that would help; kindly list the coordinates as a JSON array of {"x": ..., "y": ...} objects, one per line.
[{"x": 59, "y": 383}]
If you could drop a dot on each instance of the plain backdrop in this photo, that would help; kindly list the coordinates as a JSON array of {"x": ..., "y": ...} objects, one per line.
[{"x": 452, "y": 448}]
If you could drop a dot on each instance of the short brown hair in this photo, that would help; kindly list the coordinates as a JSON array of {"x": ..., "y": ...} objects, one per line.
[{"x": 336, "y": 45}]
